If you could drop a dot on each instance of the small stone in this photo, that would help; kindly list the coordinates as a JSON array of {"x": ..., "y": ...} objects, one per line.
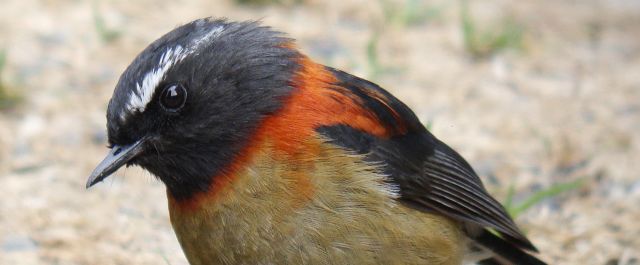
[{"x": 14, "y": 243}]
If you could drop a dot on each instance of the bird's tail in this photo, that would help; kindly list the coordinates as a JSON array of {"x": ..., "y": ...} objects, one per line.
[{"x": 505, "y": 252}]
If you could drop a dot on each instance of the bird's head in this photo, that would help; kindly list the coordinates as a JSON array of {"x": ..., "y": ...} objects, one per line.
[{"x": 188, "y": 102}]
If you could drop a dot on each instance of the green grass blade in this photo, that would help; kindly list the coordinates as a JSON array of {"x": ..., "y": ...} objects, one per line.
[
  {"x": 541, "y": 195},
  {"x": 468, "y": 27},
  {"x": 508, "y": 202},
  {"x": 372, "y": 56},
  {"x": 106, "y": 34},
  {"x": 3, "y": 61}
]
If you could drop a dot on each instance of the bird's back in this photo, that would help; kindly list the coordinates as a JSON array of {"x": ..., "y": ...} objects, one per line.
[{"x": 343, "y": 173}]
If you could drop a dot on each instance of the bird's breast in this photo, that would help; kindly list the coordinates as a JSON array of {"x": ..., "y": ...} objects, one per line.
[{"x": 318, "y": 206}]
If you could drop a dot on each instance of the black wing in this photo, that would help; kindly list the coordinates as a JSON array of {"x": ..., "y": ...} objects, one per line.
[{"x": 431, "y": 176}]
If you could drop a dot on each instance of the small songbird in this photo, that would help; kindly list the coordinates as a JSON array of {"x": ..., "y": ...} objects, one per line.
[{"x": 271, "y": 158}]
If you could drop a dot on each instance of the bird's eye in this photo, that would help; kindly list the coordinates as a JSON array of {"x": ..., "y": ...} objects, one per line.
[{"x": 173, "y": 97}]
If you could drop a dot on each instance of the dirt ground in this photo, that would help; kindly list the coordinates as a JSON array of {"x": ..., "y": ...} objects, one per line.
[{"x": 564, "y": 106}]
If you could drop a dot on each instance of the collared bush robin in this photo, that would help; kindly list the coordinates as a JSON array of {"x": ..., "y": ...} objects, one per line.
[{"x": 271, "y": 158}]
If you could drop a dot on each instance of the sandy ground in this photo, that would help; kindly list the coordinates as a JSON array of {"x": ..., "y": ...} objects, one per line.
[{"x": 564, "y": 107}]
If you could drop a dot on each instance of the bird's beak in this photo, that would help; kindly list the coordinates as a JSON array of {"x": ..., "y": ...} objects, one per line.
[{"x": 116, "y": 158}]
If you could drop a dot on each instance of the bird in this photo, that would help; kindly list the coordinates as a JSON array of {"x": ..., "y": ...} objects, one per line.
[{"x": 271, "y": 158}]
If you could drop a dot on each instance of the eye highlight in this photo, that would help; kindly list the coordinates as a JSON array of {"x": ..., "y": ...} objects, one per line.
[{"x": 173, "y": 97}]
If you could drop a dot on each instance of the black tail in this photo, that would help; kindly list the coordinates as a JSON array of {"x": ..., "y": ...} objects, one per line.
[{"x": 506, "y": 253}]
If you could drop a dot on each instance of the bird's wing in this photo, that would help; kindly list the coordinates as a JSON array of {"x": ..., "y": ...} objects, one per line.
[{"x": 430, "y": 175}]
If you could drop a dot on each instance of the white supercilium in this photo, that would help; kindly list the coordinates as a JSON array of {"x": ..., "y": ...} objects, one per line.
[{"x": 140, "y": 97}]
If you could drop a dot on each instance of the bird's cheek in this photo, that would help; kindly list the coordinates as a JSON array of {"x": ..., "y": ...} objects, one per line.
[{"x": 147, "y": 161}]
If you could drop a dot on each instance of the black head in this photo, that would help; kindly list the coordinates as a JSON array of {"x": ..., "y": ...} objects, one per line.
[{"x": 189, "y": 102}]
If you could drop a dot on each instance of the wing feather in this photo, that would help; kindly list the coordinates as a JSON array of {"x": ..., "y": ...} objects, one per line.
[{"x": 431, "y": 176}]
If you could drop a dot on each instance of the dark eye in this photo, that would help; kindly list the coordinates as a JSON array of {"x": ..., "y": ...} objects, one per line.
[{"x": 173, "y": 97}]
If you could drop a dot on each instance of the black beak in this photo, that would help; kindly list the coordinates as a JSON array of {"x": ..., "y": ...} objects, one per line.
[{"x": 116, "y": 158}]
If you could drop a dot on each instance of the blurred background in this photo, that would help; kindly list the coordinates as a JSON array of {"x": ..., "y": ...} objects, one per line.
[{"x": 542, "y": 97}]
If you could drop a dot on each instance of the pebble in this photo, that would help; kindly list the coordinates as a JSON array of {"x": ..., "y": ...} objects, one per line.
[{"x": 15, "y": 243}]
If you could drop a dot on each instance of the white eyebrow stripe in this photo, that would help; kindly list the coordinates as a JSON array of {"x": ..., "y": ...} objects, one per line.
[
  {"x": 141, "y": 96},
  {"x": 139, "y": 100}
]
